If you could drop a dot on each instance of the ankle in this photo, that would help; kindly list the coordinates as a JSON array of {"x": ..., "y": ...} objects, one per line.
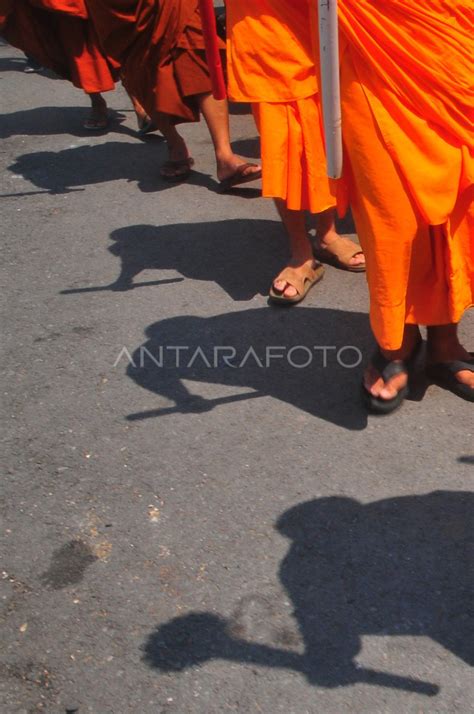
[
  {"x": 298, "y": 257},
  {"x": 325, "y": 238},
  {"x": 411, "y": 338},
  {"x": 224, "y": 156}
]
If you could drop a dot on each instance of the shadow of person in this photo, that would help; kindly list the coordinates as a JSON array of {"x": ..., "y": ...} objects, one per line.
[
  {"x": 49, "y": 121},
  {"x": 306, "y": 357},
  {"x": 217, "y": 251},
  {"x": 399, "y": 566},
  {"x": 62, "y": 171},
  {"x": 247, "y": 147},
  {"x": 11, "y": 64}
]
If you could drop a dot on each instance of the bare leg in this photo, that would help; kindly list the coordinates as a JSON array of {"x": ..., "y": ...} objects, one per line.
[
  {"x": 300, "y": 245},
  {"x": 98, "y": 117},
  {"x": 444, "y": 346},
  {"x": 216, "y": 115},
  {"x": 145, "y": 124}
]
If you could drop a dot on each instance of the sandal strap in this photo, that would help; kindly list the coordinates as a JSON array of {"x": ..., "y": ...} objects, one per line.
[
  {"x": 341, "y": 248},
  {"x": 456, "y": 366},
  {"x": 297, "y": 277},
  {"x": 242, "y": 168},
  {"x": 388, "y": 368}
]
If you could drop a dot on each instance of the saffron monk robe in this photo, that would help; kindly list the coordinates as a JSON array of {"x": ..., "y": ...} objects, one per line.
[
  {"x": 407, "y": 103},
  {"x": 159, "y": 46},
  {"x": 272, "y": 63},
  {"x": 58, "y": 35}
]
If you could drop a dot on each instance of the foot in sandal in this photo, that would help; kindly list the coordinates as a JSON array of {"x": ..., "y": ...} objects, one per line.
[
  {"x": 233, "y": 170},
  {"x": 98, "y": 119},
  {"x": 450, "y": 365},
  {"x": 179, "y": 164},
  {"x": 385, "y": 384},
  {"x": 340, "y": 252},
  {"x": 334, "y": 249},
  {"x": 294, "y": 282}
]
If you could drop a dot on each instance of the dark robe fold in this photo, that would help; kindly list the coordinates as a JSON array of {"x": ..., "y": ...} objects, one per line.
[
  {"x": 160, "y": 47},
  {"x": 58, "y": 35}
]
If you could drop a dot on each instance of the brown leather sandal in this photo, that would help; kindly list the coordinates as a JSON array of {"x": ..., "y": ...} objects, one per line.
[
  {"x": 302, "y": 279},
  {"x": 339, "y": 254}
]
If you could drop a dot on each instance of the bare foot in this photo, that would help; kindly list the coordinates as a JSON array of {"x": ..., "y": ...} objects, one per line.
[{"x": 228, "y": 165}]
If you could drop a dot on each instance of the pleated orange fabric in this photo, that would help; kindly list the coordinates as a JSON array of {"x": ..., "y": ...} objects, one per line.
[
  {"x": 407, "y": 127},
  {"x": 293, "y": 157},
  {"x": 160, "y": 48},
  {"x": 59, "y": 36},
  {"x": 407, "y": 99},
  {"x": 271, "y": 62}
]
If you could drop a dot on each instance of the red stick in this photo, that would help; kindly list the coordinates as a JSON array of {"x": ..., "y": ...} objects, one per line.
[{"x": 211, "y": 43}]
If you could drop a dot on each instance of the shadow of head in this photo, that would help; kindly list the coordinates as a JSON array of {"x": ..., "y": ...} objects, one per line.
[
  {"x": 398, "y": 566},
  {"x": 309, "y": 358},
  {"x": 187, "y": 641}
]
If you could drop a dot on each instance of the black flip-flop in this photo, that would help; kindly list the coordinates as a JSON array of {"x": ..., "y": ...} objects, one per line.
[
  {"x": 444, "y": 375},
  {"x": 387, "y": 370}
]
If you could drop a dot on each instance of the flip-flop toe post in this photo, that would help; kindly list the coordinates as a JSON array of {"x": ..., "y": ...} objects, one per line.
[
  {"x": 444, "y": 375},
  {"x": 241, "y": 175},
  {"x": 388, "y": 369},
  {"x": 302, "y": 279},
  {"x": 340, "y": 255}
]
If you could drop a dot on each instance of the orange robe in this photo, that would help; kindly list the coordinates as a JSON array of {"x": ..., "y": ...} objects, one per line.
[
  {"x": 160, "y": 47},
  {"x": 58, "y": 35},
  {"x": 271, "y": 63},
  {"x": 407, "y": 101}
]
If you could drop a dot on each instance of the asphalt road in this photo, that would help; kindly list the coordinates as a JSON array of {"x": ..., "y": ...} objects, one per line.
[{"x": 194, "y": 519}]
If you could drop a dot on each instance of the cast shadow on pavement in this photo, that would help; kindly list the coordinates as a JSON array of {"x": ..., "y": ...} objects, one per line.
[
  {"x": 215, "y": 251},
  {"x": 309, "y": 358},
  {"x": 12, "y": 64},
  {"x": 395, "y": 567},
  {"x": 50, "y": 121},
  {"x": 137, "y": 162}
]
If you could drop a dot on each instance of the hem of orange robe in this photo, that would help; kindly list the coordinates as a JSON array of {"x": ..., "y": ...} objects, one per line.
[
  {"x": 455, "y": 318},
  {"x": 94, "y": 90},
  {"x": 293, "y": 207}
]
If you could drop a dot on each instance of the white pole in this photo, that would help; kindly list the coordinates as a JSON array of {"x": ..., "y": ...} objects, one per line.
[{"x": 330, "y": 85}]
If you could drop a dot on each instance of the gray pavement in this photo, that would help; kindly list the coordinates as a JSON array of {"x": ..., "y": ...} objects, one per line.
[{"x": 205, "y": 538}]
